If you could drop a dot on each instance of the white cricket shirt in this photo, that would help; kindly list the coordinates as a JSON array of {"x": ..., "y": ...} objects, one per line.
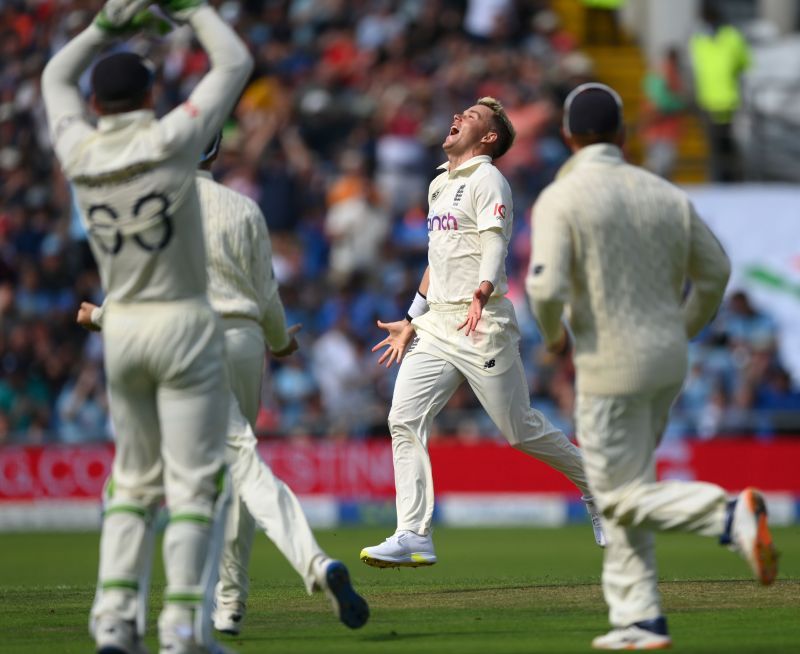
[
  {"x": 472, "y": 198},
  {"x": 239, "y": 260},
  {"x": 134, "y": 175},
  {"x": 616, "y": 244}
]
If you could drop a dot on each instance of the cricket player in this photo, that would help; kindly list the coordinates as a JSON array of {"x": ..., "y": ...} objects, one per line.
[
  {"x": 134, "y": 182},
  {"x": 243, "y": 291},
  {"x": 617, "y": 246},
  {"x": 470, "y": 332}
]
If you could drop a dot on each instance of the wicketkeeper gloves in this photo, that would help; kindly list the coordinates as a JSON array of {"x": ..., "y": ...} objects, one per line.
[
  {"x": 122, "y": 17},
  {"x": 181, "y": 10}
]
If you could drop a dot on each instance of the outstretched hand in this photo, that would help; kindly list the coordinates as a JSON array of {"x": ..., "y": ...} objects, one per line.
[
  {"x": 293, "y": 344},
  {"x": 84, "y": 317},
  {"x": 400, "y": 335},
  {"x": 479, "y": 300}
]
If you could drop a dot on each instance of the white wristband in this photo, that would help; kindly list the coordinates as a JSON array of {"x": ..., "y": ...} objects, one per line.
[{"x": 418, "y": 307}]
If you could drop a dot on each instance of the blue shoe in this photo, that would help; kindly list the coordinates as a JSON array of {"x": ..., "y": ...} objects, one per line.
[{"x": 351, "y": 608}]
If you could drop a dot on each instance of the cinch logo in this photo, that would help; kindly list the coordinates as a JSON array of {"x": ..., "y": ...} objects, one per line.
[{"x": 442, "y": 222}]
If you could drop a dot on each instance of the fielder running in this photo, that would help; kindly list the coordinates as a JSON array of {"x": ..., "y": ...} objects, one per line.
[
  {"x": 469, "y": 333},
  {"x": 617, "y": 245},
  {"x": 244, "y": 292},
  {"x": 133, "y": 177}
]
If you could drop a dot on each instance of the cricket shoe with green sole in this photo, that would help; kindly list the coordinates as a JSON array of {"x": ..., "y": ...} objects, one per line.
[{"x": 403, "y": 549}]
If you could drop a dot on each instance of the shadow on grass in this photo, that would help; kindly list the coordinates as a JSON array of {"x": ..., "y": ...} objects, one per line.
[{"x": 395, "y": 636}]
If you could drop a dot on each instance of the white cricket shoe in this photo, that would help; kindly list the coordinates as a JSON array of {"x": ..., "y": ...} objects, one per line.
[
  {"x": 597, "y": 523},
  {"x": 179, "y": 639},
  {"x": 647, "y": 634},
  {"x": 632, "y": 638},
  {"x": 228, "y": 619},
  {"x": 403, "y": 549},
  {"x": 114, "y": 636},
  {"x": 750, "y": 536}
]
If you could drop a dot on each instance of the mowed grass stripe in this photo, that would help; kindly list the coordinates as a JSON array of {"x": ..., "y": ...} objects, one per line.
[{"x": 495, "y": 590}]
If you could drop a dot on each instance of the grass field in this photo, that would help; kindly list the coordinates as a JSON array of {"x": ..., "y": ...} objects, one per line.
[{"x": 494, "y": 591}]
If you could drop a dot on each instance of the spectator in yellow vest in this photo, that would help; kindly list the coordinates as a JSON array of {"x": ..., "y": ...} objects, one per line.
[
  {"x": 662, "y": 111},
  {"x": 719, "y": 56}
]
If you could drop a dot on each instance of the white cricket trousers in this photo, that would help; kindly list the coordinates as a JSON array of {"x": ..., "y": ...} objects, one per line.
[
  {"x": 429, "y": 375},
  {"x": 168, "y": 402},
  {"x": 259, "y": 496},
  {"x": 618, "y": 435}
]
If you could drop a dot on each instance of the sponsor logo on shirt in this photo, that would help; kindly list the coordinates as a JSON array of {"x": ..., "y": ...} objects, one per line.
[
  {"x": 435, "y": 194},
  {"x": 190, "y": 109},
  {"x": 500, "y": 210},
  {"x": 436, "y": 223}
]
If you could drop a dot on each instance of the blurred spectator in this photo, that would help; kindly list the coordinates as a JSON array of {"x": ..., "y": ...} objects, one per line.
[
  {"x": 661, "y": 117},
  {"x": 336, "y": 137},
  {"x": 746, "y": 327},
  {"x": 487, "y": 19},
  {"x": 356, "y": 223},
  {"x": 82, "y": 408},
  {"x": 24, "y": 401},
  {"x": 719, "y": 56},
  {"x": 602, "y": 22}
]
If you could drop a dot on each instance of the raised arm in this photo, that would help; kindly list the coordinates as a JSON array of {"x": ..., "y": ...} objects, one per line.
[
  {"x": 196, "y": 121},
  {"x": 66, "y": 112}
]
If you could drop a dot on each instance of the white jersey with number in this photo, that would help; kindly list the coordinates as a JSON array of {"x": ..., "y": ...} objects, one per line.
[
  {"x": 134, "y": 175},
  {"x": 462, "y": 203}
]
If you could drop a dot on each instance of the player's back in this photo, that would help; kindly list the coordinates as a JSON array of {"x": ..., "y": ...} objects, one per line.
[
  {"x": 134, "y": 183},
  {"x": 238, "y": 250},
  {"x": 631, "y": 241}
]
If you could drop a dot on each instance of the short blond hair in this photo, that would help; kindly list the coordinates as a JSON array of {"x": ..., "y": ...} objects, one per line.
[{"x": 501, "y": 125}]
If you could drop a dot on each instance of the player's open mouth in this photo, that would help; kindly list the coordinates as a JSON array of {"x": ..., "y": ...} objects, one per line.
[{"x": 453, "y": 130}]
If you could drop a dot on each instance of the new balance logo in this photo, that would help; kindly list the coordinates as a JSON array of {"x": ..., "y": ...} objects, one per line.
[
  {"x": 435, "y": 195},
  {"x": 436, "y": 223},
  {"x": 488, "y": 364},
  {"x": 412, "y": 345}
]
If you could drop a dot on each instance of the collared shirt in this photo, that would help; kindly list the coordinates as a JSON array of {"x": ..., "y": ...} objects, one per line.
[{"x": 463, "y": 202}]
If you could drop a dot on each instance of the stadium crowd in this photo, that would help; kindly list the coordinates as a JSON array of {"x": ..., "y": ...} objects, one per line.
[{"x": 336, "y": 137}]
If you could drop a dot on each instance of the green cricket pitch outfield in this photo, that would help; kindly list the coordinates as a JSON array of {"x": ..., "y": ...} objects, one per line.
[{"x": 493, "y": 591}]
